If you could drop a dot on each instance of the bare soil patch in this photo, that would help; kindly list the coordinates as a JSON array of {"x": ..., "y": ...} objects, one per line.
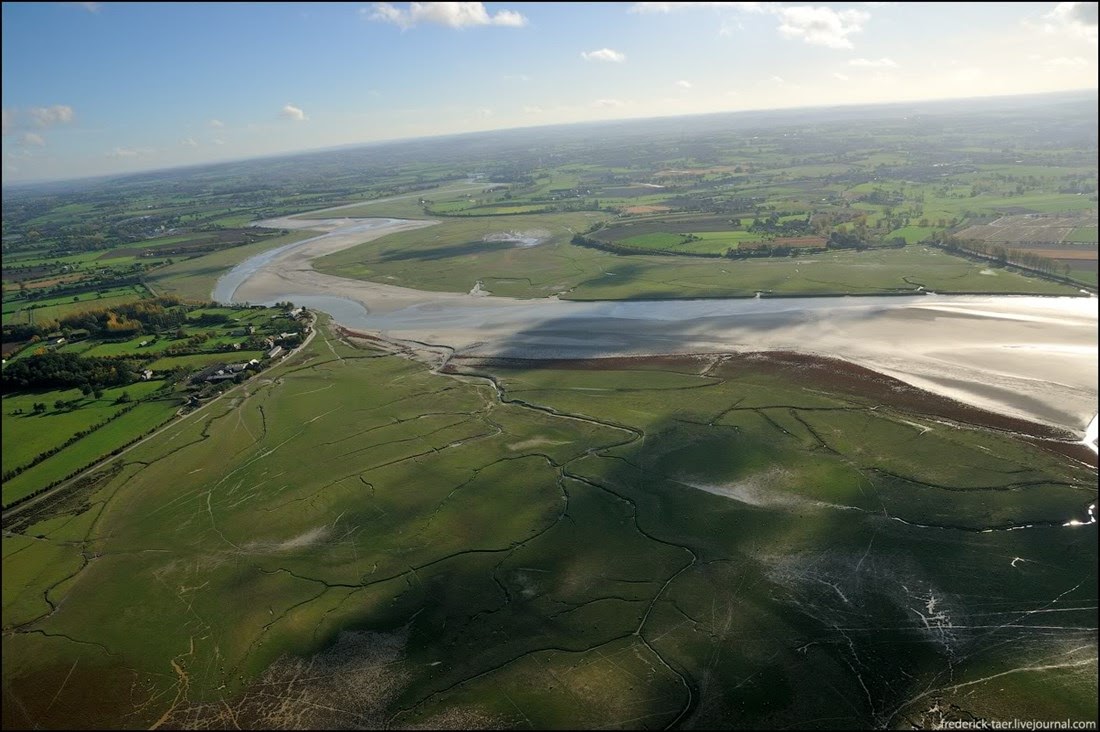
[{"x": 646, "y": 209}]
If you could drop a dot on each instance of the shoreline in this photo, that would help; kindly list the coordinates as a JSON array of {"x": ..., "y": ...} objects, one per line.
[
  {"x": 835, "y": 373},
  {"x": 1025, "y": 356}
]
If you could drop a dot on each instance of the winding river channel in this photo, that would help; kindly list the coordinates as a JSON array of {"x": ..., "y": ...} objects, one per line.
[{"x": 1030, "y": 357}]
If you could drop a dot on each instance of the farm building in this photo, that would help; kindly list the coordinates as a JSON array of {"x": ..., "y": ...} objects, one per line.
[{"x": 207, "y": 372}]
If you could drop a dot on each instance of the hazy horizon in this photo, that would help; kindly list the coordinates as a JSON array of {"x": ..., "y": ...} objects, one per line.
[
  {"x": 824, "y": 109},
  {"x": 115, "y": 94}
]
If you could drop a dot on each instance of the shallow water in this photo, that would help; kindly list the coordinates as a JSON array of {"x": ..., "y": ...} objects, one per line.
[{"x": 1032, "y": 357}]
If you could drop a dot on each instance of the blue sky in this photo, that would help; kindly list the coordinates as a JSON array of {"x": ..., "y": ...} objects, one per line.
[{"x": 103, "y": 88}]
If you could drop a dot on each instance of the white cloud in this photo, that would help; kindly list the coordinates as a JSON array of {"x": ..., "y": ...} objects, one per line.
[
  {"x": 777, "y": 80},
  {"x": 217, "y": 141},
  {"x": 820, "y": 26},
  {"x": 1077, "y": 19},
  {"x": 841, "y": 77},
  {"x": 217, "y": 124},
  {"x": 814, "y": 24},
  {"x": 484, "y": 113},
  {"x": 868, "y": 63},
  {"x": 606, "y": 103},
  {"x": 49, "y": 116},
  {"x": 1080, "y": 13},
  {"x": 683, "y": 84},
  {"x": 294, "y": 113},
  {"x": 386, "y": 13},
  {"x": 129, "y": 152},
  {"x": 669, "y": 7},
  {"x": 9, "y": 122},
  {"x": 727, "y": 28},
  {"x": 516, "y": 77},
  {"x": 452, "y": 15},
  {"x": 29, "y": 139},
  {"x": 189, "y": 142},
  {"x": 604, "y": 54},
  {"x": 90, "y": 7},
  {"x": 532, "y": 109}
]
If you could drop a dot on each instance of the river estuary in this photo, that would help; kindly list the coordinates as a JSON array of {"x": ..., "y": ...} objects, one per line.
[{"x": 1030, "y": 357}]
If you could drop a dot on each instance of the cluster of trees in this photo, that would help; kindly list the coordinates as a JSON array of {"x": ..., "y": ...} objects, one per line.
[
  {"x": 18, "y": 332},
  {"x": 772, "y": 225},
  {"x": 129, "y": 319},
  {"x": 1003, "y": 256},
  {"x": 67, "y": 370},
  {"x": 848, "y": 240}
]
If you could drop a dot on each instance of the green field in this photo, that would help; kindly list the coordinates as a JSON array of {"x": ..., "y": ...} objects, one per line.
[
  {"x": 199, "y": 360},
  {"x": 450, "y": 256},
  {"x": 115, "y": 434},
  {"x": 405, "y": 206},
  {"x": 703, "y": 242},
  {"x": 654, "y": 241},
  {"x": 454, "y": 254},
  {"x": 27, "y": 434},
  {"x": 592, "y": 547},
  {"x": 912, "y": 234},
  {"x": 1084, "y": 234},
  {"x": 44, "y": 310}
]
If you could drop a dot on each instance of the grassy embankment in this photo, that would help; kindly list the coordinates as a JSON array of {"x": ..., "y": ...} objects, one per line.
[{"x": 639, "y": 544}]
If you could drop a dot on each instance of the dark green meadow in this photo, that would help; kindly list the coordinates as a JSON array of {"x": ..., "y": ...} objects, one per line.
[{"x": 354, "y": 540}]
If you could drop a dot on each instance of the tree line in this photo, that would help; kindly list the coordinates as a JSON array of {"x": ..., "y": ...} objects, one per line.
[{"x": 55, "y": 370}]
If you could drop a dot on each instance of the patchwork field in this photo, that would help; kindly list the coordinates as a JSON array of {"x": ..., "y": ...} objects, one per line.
[
  {"x": 69, "y": 405},
  {"x": 619, "y": 543}
]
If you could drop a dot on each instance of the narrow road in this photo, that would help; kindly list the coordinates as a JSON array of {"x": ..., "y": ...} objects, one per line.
[{"x": 180, "y": 419}]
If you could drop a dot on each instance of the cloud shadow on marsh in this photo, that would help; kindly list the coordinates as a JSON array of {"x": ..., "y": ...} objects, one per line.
[{"x": 455, "y": 250}]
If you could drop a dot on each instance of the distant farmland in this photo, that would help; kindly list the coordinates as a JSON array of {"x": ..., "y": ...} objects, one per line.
[
  {"x": 1068, "y": 239},
  {"x": 1035, "y": 228}
]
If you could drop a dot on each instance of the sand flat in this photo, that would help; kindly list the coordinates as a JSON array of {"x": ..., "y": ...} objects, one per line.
[{"x": 1030, "y": 357}]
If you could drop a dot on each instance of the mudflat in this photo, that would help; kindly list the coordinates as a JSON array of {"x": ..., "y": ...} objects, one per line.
[{"x": 1030, "y": 357}]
